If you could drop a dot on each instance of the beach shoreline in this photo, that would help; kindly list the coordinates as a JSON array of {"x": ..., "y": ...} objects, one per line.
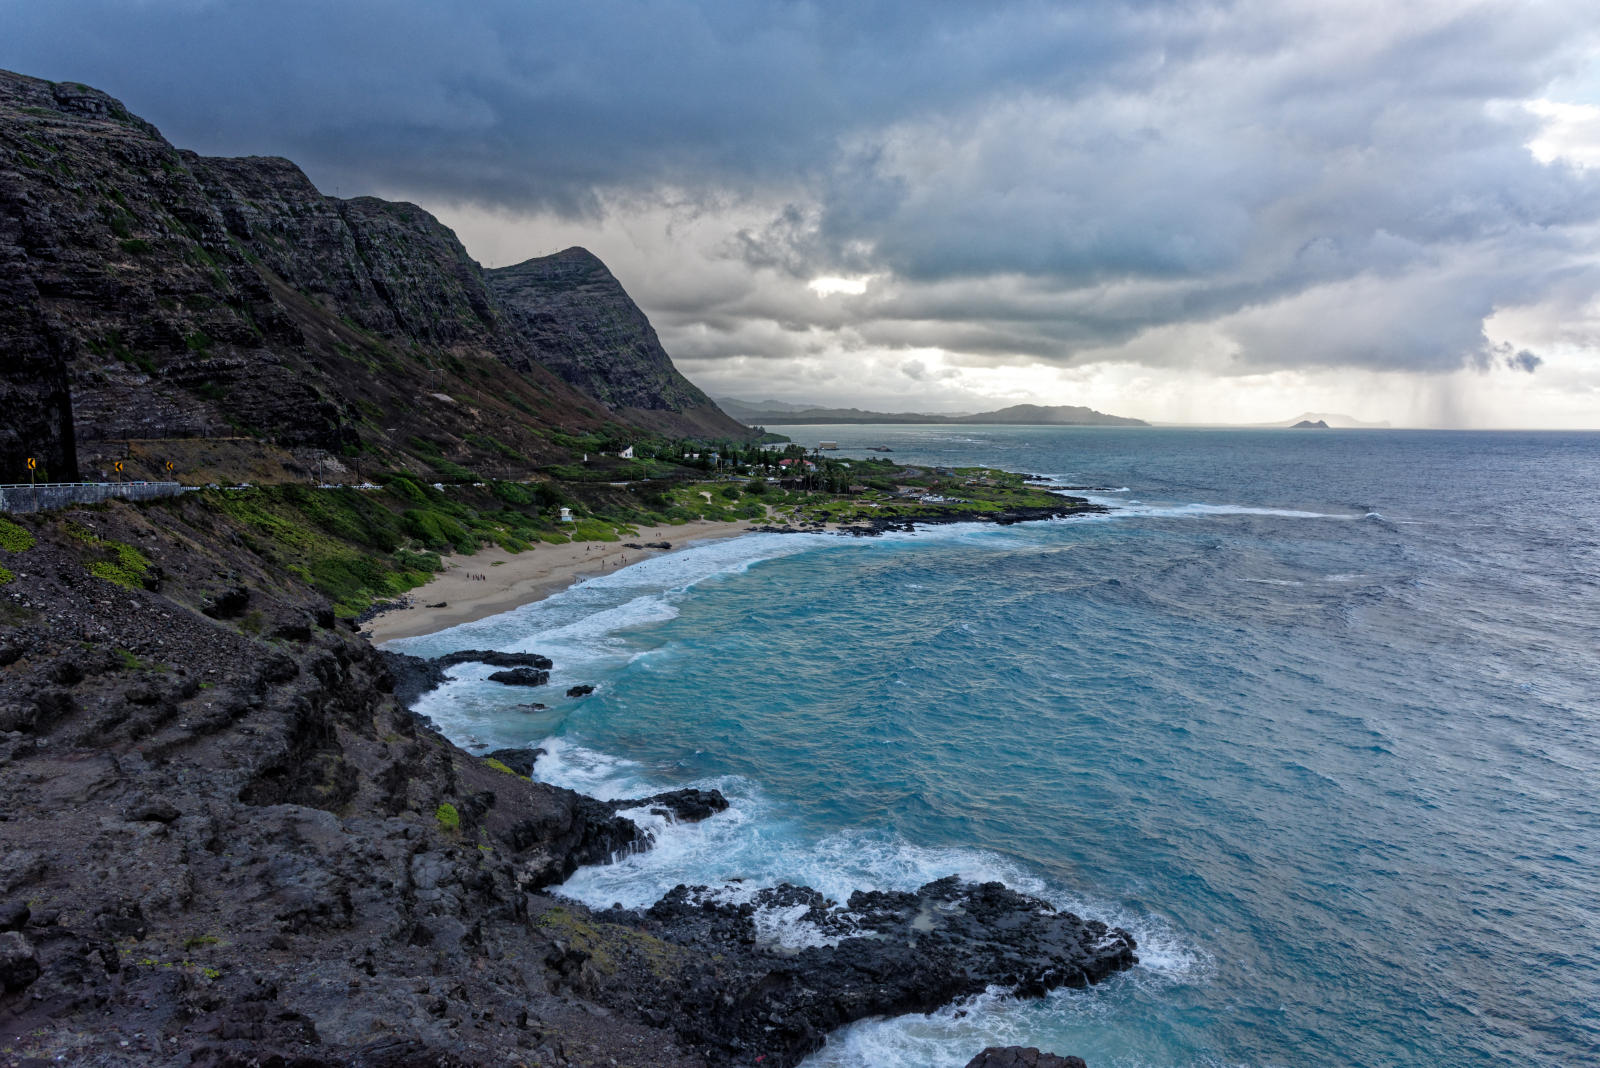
[{"x": 492, "y": 581}]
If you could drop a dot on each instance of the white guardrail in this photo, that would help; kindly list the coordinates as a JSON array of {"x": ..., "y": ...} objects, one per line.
[{"x": 21, "y": 497}]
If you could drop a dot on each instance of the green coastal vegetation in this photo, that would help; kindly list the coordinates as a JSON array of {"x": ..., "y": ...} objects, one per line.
[
  {"x": 362, "y": 545},
  {"x": 13, "y": 539}
]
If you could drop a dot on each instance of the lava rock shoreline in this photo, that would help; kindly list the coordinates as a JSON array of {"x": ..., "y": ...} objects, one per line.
[{"x": 229, "y": 842}]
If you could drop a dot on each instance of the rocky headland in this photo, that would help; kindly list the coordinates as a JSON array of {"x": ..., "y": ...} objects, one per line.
[{"x": 227, "y": 841}]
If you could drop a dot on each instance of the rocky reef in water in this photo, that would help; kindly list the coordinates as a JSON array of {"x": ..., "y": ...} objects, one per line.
[{"x": 226, "y": 842}]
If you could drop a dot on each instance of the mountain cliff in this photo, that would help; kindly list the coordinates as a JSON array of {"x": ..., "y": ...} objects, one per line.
[
  {"x": 148, "y": 292},
  {"x": 582, "y": 324}
]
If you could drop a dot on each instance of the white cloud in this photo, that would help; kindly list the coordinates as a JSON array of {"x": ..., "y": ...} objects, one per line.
[
  {"x": 1569, "y": 133},
  {"x": 828, "y": 285}
]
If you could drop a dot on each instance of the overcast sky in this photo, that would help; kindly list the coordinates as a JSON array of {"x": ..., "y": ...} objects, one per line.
[{"x": 1184, "y": 212}]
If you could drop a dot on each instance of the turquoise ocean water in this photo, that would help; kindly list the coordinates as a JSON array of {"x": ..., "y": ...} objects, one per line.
[{"x": 1315, "y": 715}]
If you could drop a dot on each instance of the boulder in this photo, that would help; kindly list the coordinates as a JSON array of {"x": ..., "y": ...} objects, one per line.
[
  {"x": 19, "y": 966},
  {"x": 494, "y": 658},
  {"x": 683, "y": 806},
  {"x": 520, "y": 761},
  {"x": 580, "y": 691},
  {"x": 521, "y": 676},
  {"x": 409, "y": 677},
  {"x": 14, "y": 916},
  {"x": 229, "y": 603}
]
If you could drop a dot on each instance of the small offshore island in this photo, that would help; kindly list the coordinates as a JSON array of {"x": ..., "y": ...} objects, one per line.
[{"x": 225, "y": 838}]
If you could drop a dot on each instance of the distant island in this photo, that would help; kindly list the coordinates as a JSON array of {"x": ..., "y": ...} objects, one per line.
[
  {"x": 1324, "y": 421},
  {"x": 762, "y": 413}
]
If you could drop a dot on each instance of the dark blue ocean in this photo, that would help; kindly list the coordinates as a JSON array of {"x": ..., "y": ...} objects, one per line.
[{"x": 1314, "y": 714}]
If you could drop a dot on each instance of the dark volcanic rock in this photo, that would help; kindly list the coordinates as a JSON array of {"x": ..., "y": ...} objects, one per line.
[
  {"x": 580, "y": 691},
  {"x": 19, "y": 965},
  {"x": 1022, "y": 1057},
  {"x": 884, "y": 953},
  {"x": 520, "y": 761},
  {"x": 409, "y": 677},
  {"x": 684, "y": 806},
  {"x": 152, "y": 810},
  {"x": 494, "y": 659},
  {"x": 522, "y": 676},
  {"x": 1011, "y": 516},
  {"x": 14, "y": 916},
  {"x": 342, "y": 886},
  {"x": 228, "y": 604}
]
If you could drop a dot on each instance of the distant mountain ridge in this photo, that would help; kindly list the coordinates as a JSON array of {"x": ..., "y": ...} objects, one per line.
[{"x": 1015, "y": 415}]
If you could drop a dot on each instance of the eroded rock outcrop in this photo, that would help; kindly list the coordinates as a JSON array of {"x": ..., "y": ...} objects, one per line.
[{"x": 739, "y": 995}]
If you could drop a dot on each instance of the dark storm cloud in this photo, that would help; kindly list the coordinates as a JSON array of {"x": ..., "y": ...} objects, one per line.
[
  {"x": 1317, "y": 184},
  {"x": 1518, "y": 360},
  {"x": 540, "y": 104}
]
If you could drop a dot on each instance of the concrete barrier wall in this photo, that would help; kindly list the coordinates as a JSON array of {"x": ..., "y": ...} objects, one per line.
[{"x": 46, "y": 495}]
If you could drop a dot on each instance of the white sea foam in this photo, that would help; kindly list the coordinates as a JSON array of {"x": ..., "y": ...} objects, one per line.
[
  {"x": 1140, "y": 510},
  {"x": 589, "y": 771},
  {"x": 756, "y": 844}
]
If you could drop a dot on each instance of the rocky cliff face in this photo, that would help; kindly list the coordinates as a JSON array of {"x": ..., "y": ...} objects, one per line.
[
  {"x": 224, "y": 842},
  {"x": 581, "y": 323},
  {"x": 169, "y": 296}
]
